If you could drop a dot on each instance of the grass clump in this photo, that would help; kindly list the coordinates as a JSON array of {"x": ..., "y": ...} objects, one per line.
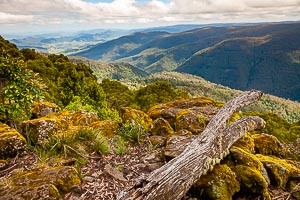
[
  {"x": 74, "y": 144},
  {"x": 132, "y": 132}
]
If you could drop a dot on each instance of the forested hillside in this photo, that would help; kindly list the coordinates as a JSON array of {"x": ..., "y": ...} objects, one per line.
[{"x": 263, "y": 56}]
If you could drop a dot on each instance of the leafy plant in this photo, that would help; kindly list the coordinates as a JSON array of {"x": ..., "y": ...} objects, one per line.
[
  {"x": 132, "y": 132},
  {"x": 19, "y": 87}
]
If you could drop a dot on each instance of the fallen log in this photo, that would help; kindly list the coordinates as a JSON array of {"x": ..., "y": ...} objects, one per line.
[{"x": 174, "y": 179}]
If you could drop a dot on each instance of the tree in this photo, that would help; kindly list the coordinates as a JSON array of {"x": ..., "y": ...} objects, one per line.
[
  {"x": 19, "y": 87},
  {"x": 157, "y": 92}
]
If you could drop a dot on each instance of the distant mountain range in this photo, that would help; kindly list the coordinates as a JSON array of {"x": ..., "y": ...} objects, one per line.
[{"x": 260, "y": 56}]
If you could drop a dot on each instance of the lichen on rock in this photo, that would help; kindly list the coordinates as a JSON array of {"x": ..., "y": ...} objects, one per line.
[
  {"x": 219, "y": 184},
  {"x": 49, "y": 183},
  {"x": 280, "y": 171},
  {"x": 136, "y": 117},
  {"x": 161, "y": 127},
  {"x": 269, "y": 145},
  {"x": 11, "y": 142},
  {"x": 43, "y": 108},
  {"x": 107, "y": 128}
]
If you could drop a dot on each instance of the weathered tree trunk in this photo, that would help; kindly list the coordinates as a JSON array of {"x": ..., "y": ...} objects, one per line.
[{"x": 174, "y": 179}]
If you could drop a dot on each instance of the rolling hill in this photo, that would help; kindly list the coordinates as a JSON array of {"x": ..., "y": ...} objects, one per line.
[
  {"x": 261, "y": 56},
  {"x": 196, "y": 86}
]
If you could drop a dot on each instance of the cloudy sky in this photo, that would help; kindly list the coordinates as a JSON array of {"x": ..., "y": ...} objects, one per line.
[{"x": 56, "y": 15}]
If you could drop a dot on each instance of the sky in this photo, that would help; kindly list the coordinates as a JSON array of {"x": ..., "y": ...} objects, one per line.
[{"x": 23, "y": 16}]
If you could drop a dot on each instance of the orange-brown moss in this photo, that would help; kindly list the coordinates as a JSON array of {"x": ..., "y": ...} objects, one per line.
[
  {"x": 49, "y": 183},
  {"x": 191, "y": 121}
]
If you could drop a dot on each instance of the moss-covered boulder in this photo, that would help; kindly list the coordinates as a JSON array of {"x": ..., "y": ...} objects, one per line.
[
  {"x": 201, "y": 106},
  {"x": 107, "y": 128},
  {"x": 50, "y": 183},
  {"x": 161, "y": 127},
  {"x": 136, "y": 117},
  {"x": 269, "y": 145},
  {"x": 280, "y": 171},
  {"x": 43, "y": 108},
  {"x": 11, "y": 142},
  {"x": 241, "y": 157},
  {"x": 191, "y": 121},
  {"x": 252, "y": 181},
  {"x": 83, "y": 118},
  {"x": 251, "y": 172},
  {"x": 246, "y": 143},
  {"x": 219, "y": 184},
  {"x": 39, "y": 130}
]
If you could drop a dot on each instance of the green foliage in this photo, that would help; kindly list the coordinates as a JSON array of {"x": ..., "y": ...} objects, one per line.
[
  {"x": 279, "y": 127},
  {"x": 78, "y": 104},
  {"x": 19, "y": 87},
  {"x": 155, "y": 93},
  {"x": 117, "y": 94},
  {"x": 120, "y": 145},
  {"x": 131, "y": 132}
]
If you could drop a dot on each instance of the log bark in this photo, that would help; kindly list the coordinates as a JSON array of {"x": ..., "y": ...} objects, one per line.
[{"x": 174, "y": 179}]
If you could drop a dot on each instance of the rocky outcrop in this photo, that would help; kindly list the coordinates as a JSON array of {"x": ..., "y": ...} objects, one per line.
[
  {"x": 107, "y": 128},
  {"x": 11, "y": 142},
  {"x": 49, "y": 183},
  {"x": 161, "y": 127},
  {"x": 219, "y": 184},
  {"x": 43, "y": 108},
  {"x": 187, "y": 114},
  {"x": 136, "y": 117},
  {"x": 40, "y": 129}
]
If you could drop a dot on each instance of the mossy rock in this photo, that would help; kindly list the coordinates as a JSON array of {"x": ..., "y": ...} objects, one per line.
[
  {"x": 39, "y": 130},
  {"x": 50, "y": 183},
  {"x": 161, "y": 127},
  {"x": 169, "y": 110},
  {"x": 280, "y": 171},
  {"x": 241, "y": 157},
  {"x": 136, "y": 117},
  {"x": 107, "y": 128},
  {"x": 43, "y": 108},
  {"x": 11, "y": 142},
  {"x": 46, "y": 191},
  {"x": 219, "y": 184},
  {"x": 191, "y": 121},
  {"x": 268, "y": 145},
  {"x": 83, "y": 118},
  {"x": 246, "y": 143},
  {"x": 252, "y": 181}
]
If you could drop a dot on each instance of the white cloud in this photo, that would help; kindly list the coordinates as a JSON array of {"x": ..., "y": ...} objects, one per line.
[{"x": 148, "y": 13}]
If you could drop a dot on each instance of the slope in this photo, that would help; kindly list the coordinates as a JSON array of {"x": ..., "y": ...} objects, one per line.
[{"x": 114, "y": 49}]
